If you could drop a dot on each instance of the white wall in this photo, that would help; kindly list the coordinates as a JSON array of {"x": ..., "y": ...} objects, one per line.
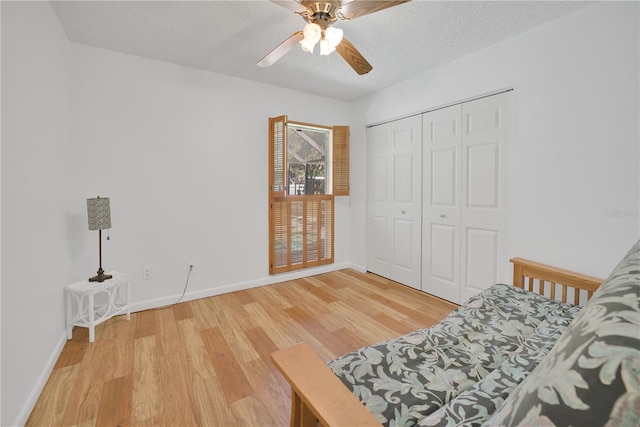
[
  {"x": 182, "y": 154},
  {"x": 575, "y": 151},
  {"x": 36, "y": 183}
]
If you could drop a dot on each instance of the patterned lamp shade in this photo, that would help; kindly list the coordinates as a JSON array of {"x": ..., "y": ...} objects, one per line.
[{"x": 99, "y": 213}]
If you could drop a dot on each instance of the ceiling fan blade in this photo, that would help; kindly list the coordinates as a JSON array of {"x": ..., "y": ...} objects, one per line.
[
  {"x": 281, "y": 49},
  {"x": 292, "y": 5},
  {"x": 352, "y": 9},
  {"x": 353, "y": 57}
]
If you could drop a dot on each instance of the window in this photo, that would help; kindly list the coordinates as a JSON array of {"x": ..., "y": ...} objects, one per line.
[
  {"x": 307, "y": 151},
  {"x": 308, "y": 166}
]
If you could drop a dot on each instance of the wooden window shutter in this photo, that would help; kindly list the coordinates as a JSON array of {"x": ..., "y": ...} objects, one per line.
[
  {"x": 279, "y": 239},
  {"x": 340, "y": 160},
  {"x": 278, "y": 179},
  {"x": 326, "y": 230},
  {"x": 301, "y": 227}
]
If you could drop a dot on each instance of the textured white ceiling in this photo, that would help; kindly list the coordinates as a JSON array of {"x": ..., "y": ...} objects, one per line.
[{"x": 229, "y": 37}]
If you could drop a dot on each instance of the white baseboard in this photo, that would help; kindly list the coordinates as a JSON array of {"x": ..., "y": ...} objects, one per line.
[
  {"x": 358, "y": 268},
  {"x": 28, "y": 406}
]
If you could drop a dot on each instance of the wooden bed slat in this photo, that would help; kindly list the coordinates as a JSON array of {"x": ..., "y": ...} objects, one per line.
[{"x": 526, "y": 268}]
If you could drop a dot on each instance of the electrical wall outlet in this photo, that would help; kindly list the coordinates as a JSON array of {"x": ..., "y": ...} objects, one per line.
[{"x": 146, "y": 273}]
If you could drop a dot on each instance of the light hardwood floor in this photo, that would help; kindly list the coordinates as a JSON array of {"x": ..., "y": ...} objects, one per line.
[{"x": 206, "y": 362}]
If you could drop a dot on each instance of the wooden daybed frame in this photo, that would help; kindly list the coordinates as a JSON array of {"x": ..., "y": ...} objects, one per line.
[{"x": 318, "y": 397}]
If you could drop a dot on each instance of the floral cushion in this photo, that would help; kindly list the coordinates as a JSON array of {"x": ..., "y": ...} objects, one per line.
[
  {"x": 592, "y": 375},
  {"x": 463, "y": 367},
  {"x": 474, "y": 406}
]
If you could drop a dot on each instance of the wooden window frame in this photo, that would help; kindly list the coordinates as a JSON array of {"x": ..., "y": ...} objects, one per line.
[{"x": 301, "y": 228}]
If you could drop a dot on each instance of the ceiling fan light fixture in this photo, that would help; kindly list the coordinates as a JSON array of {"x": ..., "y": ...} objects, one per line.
[
  {"x": 312, "y": 33},
  {"x": 325, "y": 47},
  {"x": 334, "y": 36}
]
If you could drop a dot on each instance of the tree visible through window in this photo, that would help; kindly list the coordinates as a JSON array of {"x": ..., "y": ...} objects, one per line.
[
  {"x": 307, "y": 151},
  {"x": 308, "y": 166}
]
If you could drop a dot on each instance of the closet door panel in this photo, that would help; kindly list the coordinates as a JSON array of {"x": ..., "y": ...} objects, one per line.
[
  {"x": 444, "y": 177},
  {"x": 485, "y": 150},
  {"x": 444, "y": 244},
  {"x": 407, "y": 206},
  {"x": 379, "y": 200},
  {"x": 481, "y": 258},
  {"x": 483, "y": 176},
  {"x": 403, "y": 188},
  {"x": 379, "y": 235},
  {"x": 441, "y": 203},
  {"x": 403, "y": 233},
  {"x": 394, "y": 209}
]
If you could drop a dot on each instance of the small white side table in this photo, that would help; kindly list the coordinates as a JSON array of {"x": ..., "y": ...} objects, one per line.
[{"x": 82, "y": 309}]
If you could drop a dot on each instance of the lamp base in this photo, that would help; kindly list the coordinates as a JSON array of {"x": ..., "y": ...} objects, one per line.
[{"x": 101, "y": 277}]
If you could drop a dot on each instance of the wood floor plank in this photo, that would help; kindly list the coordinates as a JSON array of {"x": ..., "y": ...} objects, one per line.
[
  {"x": 52, "y": 406},
  {"x": 206, "y": 362},
  {"x": 250, "y": 411},
  {"x": 391, "y": 303},
  {"x": 261, "y": 342},
  {"x": 330, "y": 341},
  {"x": 270, "y": 394},
  {"x": 178, "y": 400},
  {"x": 229, "y": 313},
  {"x": 115, "y": 405},
  {"x": 182, "y": 311},
  {"x": 213, "y": 409},
  {"x": 349, "y": 341},
  {"x": 235, "y": 385},
  {"x": 278, "y": 332},
  {"x": 75, "y": 349},
  {"x": 275, "y": 311},
  {"x": 145, "y": 324},
  {"x": 335, "y": 281},
  {"x": 122, "y": 344},
  {"x": 362, "y": 325},
  {"x": 203, "y": 314},
  {"x": 396, "y": 325},
  {"x": 245, "y": 297},
  {"x": 147, "y": 401},
  {"x": 302, "y": 301},
  {"x": 197, "y": 354},
  {"x": 370, "y": 278},
  {"x": 264, "y": 347},
  {"x": 157, "y": 421},
  {"x": 87, "y": 392},
  {"x": 209, "y": 397},
  {"x": 317, "y": 287}
]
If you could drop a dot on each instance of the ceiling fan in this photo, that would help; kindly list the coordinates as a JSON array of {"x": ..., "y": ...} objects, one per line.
[{"x": 319, "y": 16}]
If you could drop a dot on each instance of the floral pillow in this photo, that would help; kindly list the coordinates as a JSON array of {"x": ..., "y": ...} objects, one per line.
[{"x": 592, "y": 375}]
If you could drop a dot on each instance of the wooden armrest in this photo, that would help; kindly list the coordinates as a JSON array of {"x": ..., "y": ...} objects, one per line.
[{"x": 317, "y": 393}]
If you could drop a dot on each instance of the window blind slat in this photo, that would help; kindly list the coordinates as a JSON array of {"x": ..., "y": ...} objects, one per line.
[
  {"x": 278, "y": 156},
  {"x": 340, "y": 160}
]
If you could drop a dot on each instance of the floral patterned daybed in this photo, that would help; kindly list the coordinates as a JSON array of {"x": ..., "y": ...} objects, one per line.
[{"x": 507, "y": 357}]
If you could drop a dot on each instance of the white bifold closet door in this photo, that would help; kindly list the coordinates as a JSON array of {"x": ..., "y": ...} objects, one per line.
[
  {"x": 394, "y": 192},
  {"x": 465, "y": 189}
]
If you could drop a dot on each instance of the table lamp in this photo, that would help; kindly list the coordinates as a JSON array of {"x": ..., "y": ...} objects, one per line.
[{"x": 99, "y": 215}]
